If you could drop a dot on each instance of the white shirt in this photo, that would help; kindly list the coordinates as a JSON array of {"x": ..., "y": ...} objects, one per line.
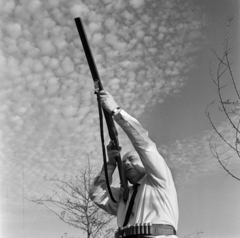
[{"x": 156, "y": 199}]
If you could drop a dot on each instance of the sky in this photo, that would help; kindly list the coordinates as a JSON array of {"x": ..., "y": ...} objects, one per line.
[{"x": 153, "y": 56}]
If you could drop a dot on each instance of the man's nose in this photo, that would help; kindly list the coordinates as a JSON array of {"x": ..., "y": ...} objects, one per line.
[{"x": 126, "y": 163}]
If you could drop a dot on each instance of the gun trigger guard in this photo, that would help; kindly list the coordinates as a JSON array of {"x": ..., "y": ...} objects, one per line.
[{"x": 113, "y": 145}]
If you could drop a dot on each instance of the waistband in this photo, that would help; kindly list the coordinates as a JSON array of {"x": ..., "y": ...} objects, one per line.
[{"x": 144, "y": 230}]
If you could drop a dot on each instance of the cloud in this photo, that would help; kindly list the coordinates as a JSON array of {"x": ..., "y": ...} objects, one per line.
[
  {"x": 48, "y": 111},
  {"x": 136, "y": 3}
]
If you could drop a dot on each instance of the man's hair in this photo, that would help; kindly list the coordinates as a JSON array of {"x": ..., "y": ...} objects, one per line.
[{"x": 130, "y": 153}]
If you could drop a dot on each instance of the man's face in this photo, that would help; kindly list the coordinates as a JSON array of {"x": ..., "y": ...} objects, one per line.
[{"x": 133, "y": 167}]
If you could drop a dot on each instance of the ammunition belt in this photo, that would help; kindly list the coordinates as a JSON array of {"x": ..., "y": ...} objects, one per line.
[{"x": 144, "y": 230}]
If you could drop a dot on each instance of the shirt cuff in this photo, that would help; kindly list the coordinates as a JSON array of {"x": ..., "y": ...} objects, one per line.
[
  {"x": 116, "y": 111},
  {"x": 118, "y": 115}
]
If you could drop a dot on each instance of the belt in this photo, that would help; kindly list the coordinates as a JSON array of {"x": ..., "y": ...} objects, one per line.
[{"x": 144, "y": 230}]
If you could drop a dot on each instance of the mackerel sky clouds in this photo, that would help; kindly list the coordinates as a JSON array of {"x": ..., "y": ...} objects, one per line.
[{"x": 48, "y": 110}]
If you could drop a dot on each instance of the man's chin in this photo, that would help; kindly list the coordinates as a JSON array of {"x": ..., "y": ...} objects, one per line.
[
  {"x": 129, "y": 179},
  {"x": 132, "y": 180}
]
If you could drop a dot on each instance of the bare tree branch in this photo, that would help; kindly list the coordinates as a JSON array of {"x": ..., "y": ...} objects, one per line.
[
  {"x": 229, "y": 107},
  {"x": 70, "y": 201}
]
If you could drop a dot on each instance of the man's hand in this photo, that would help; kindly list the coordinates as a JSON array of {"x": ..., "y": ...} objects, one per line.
[
  {"x": 107, "y": 101},
  {"x": 112, "y": 153}
]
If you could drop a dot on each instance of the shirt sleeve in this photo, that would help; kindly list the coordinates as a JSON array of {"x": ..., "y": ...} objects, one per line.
[
  {"x": 99, "y": 192},
  {"x": 153, "y": 162}
]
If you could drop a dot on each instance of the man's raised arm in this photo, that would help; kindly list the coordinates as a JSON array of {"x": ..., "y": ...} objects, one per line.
[
  {"x": 99, "y": 193},
  {"x": 155, "y": 165}
]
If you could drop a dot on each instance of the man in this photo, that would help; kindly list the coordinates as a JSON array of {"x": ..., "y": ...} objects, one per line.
[{"x": 155, "y": 208}]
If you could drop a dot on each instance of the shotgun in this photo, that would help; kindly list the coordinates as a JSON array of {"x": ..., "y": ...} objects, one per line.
[{"x": 112, "y": 131}]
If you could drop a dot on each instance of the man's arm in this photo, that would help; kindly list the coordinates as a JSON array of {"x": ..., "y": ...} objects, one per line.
[
  {"x": 155, "y": 165},
  {"x": 99, "y": 192},
  {"x": 153, "y": 162}
]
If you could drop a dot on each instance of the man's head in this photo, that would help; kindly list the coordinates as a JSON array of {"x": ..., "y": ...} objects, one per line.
[{"x": 133, "y": 167}]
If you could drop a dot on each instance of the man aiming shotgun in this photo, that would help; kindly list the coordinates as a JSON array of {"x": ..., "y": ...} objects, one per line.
[
  {"x": 154, "y": 211},
  {"x": 149, "y": 207}
]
